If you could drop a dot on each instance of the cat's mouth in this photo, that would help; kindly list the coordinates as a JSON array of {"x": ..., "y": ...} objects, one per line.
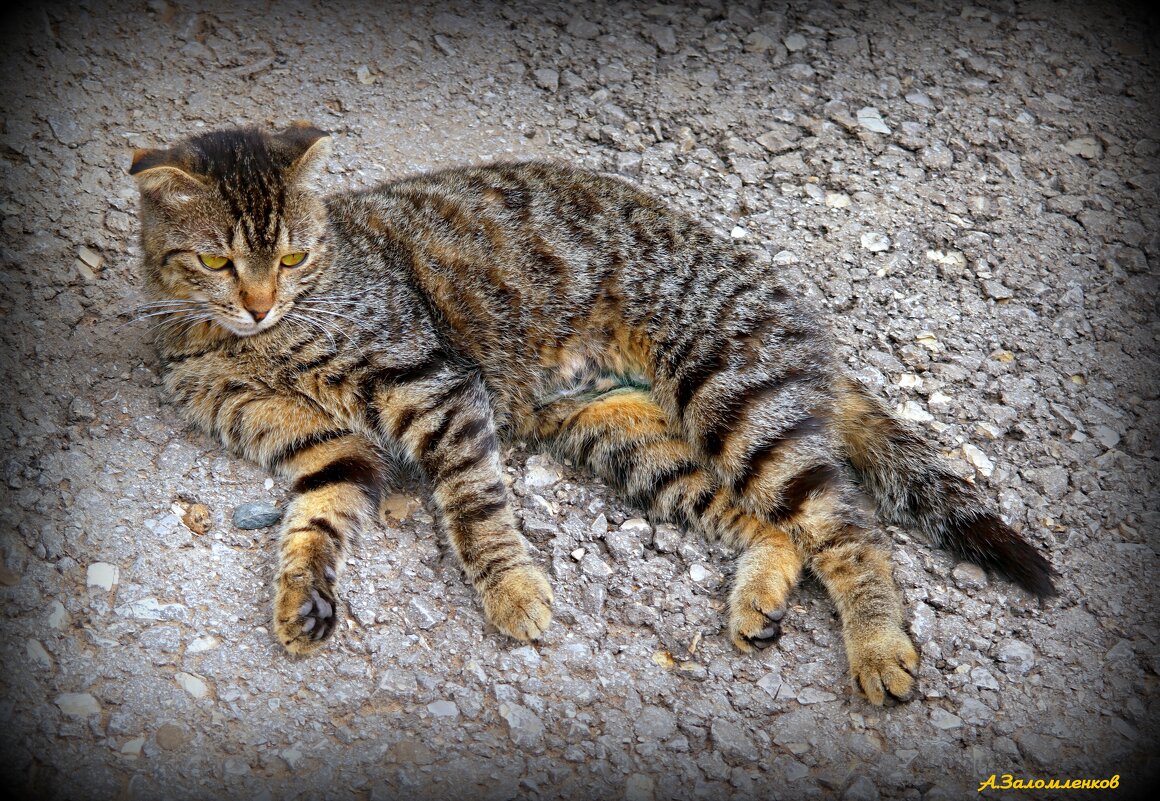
[{"x": 249, "y": 327}]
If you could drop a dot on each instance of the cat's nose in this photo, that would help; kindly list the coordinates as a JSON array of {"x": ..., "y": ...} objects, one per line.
[{"x": 257, "y": 305}]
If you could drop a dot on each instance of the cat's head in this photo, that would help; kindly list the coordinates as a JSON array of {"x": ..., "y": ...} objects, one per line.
[{"x": 232, "y": 224}]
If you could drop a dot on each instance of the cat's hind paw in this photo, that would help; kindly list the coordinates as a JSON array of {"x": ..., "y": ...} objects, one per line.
[
  {"x": 520, "y": 603},
  {"x": 881, "y": 663},
  {"x": 305, "y": 610}
]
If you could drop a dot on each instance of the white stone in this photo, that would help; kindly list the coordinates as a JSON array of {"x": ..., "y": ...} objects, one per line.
[
  {"x": 38, "y": 655},
  {"x": 194, "y": 685},
  {"x": 912, "y": 410},
  {"x": 205, "y": 643},
  {"x": 794, "y": 42},
  {"x": 950, "y": 258},
  {"x": 871, "y": 119},
  {"x": 784, "y": 257},
  {"x": 699, "y": 572},
  {"x": 595, "y": 567},
  {"x": 875, "y": 242},
  {"x": 578, "y": 554},
  {"x": 103, "y": 575},
  {"x": 542, "y": 472},
  {"x": 837, "y": 200},
  {"x": 978, "y": 459},
  {"x": 637, "y": 525},
  {"x": 150, "y": 609},
  {"x": 133, "y": 747},
  {"x": 78, "y": 705},
  {"x": 738, "y": 232},
  {"x": 57, "y": 615}
]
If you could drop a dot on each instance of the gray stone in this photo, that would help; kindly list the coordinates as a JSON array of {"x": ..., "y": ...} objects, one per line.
[
  {"x": 1052, "y": 481},
  {"x": 78, "y": 705},
  {"x": 941, "y": 719},
  {"x": 655, "y": 723},
  {"x": 975, "y": 712},
  {"x": 969, "y": 576},
  {"x": 624, "y": 545},
  {"x": 593, "y": 566},
  {"x": 443, "y": 709},
  {"x": 1041, "y": 749},
  {"x": 424, "y": 614},
  {"x": 524, "y": 727},
  {"x": 733, "y": 741},
  {"x": 257, "y": 514},
  {"x": 861, "y": 789},
  {"x": 667, "y": 538},
  {"x": 547, "y": 79},
  {"x": 1018, "y": 656}
]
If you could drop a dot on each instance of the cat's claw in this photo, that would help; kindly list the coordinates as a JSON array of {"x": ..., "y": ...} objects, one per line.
[{"x": 305, "y": 612}]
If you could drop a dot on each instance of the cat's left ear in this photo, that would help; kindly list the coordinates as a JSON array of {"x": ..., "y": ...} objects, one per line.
[{"x": 308, "y": 148}]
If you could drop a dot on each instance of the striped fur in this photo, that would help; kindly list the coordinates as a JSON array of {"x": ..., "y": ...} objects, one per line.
[{"x": 435, "y": 316}]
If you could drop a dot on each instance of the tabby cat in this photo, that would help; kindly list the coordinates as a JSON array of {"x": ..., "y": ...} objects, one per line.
[{"x": 430, "y": 317}]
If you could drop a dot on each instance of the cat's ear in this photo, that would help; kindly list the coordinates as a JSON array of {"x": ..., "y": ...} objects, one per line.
[
  {"x": 163, "y": 173},
  {"x": 307, "y": 147}
]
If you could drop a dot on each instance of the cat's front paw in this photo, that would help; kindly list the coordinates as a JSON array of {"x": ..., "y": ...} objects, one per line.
[
  {"x": 520, "y": 603},
  {"x": 882, "y": 661},
  {"x": 305, "y": 611},
  {"x": 756, "y": 609}
]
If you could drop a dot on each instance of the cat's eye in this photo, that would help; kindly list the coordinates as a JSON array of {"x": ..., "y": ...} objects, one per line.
[
  {"x": 213, "y": 262},
  {"x": 293, "y": 259}
]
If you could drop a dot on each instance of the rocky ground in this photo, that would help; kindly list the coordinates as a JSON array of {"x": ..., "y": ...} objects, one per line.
[{"x": 970, "y": 193}]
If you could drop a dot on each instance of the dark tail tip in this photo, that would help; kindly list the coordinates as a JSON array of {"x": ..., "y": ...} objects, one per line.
[{"x": 987, "y": 541}]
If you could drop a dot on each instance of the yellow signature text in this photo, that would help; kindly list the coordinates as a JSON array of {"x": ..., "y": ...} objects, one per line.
[{"x": 1009, "y": 782}]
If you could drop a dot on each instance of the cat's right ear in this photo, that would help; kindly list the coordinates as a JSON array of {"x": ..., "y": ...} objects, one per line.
[
  {"x": 308, "y": 148},
  {"x": 162, "y": 173}
]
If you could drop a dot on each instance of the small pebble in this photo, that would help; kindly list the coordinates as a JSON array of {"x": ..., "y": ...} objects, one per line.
[{"x": 258, "y": 514}]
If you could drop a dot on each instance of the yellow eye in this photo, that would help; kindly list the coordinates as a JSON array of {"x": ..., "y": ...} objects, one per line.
[
  {"x": 293, "y": 259},
  {"x": 213, "y": 262}
]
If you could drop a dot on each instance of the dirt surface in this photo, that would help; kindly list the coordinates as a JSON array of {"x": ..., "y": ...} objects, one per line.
[{"x": 969, "y": 192}]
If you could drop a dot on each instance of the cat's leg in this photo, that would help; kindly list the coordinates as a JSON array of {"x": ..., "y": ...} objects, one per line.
[
  {"x": 626, "y": 439},
  {"x": 337, "y": 476},
  {"x": 444, "y": 422},
  {"x": 752, "y": 390}
]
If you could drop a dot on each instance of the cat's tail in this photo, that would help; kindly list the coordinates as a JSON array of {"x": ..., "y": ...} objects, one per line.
[{"x": 912, "y": 487}]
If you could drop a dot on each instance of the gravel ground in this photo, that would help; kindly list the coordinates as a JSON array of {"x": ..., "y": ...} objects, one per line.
[{"x": 970, "y": 193}]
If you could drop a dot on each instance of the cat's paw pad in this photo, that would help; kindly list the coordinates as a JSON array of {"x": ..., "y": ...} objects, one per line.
[
  {"x": 305, "y": 611},
  {"x": 520, "y": 603},
  {"x": 881, "y": 663}
]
